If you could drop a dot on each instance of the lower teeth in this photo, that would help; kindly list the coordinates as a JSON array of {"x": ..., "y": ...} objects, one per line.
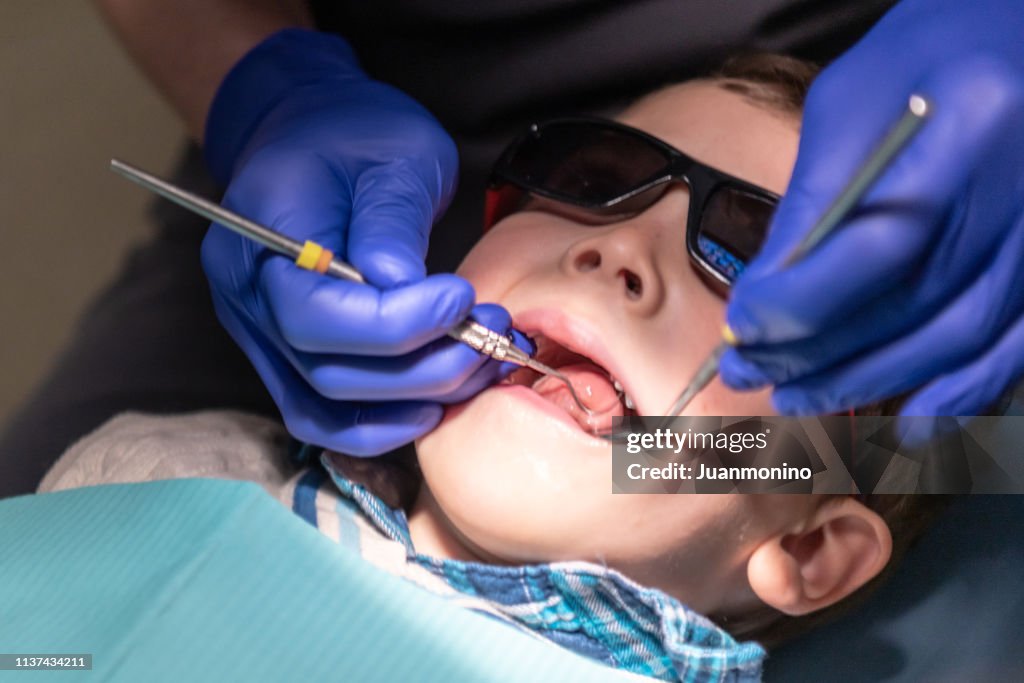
[{"x": 626, "y": 398}]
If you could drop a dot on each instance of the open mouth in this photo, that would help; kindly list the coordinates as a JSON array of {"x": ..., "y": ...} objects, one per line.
[{"x": 601, "y": 393}]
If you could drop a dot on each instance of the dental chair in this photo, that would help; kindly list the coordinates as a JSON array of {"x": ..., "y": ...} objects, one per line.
[{"x": 213, "y": 580}]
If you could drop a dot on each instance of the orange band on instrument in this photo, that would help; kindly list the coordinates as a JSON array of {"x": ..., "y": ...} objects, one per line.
[{"x": 324, "y": 261}]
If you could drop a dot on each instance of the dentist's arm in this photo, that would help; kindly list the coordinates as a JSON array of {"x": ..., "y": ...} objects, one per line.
[
  {"x": 925, "y": 286},
  {"x": 307, "y": 143},
  {"x": 186, "y": 47}
]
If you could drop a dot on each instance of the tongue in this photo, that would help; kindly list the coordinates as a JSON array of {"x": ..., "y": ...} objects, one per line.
[{"x": 595, "y": 391}]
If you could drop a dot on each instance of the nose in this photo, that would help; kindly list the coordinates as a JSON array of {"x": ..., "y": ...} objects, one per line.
[{"x": 621, "y": 258}]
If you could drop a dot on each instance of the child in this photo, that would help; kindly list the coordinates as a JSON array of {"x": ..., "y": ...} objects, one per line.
[{"x": 510, "y": 511}]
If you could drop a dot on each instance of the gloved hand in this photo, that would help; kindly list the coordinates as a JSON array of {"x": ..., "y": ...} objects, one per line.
[
  {"x": 923, "y": 289},
  {"x": 307, "y": 144}
]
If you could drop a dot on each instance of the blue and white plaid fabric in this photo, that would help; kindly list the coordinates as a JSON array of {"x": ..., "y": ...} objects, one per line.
[{"x": 587, "y": 608}]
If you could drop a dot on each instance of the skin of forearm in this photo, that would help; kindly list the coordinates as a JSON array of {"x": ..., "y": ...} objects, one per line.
[{"x": 186, "y": 47}]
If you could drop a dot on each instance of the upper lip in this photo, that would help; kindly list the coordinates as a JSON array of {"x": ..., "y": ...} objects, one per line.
[{"x": 574, "y": 333}]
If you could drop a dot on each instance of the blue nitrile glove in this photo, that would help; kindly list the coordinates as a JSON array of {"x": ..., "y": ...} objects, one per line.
[
  {"x": 924, "y": 287},
  {"x": 307, "y": 144}
]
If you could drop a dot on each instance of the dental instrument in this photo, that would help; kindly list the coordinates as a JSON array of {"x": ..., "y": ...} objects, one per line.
[
  {"x": 317, "y": 258},
  {"x": 918, "y": 109}
]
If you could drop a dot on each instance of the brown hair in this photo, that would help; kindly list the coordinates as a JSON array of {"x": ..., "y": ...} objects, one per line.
[
  {"x": 780, "y": 83},
  {"x": 777, "y": 82}
]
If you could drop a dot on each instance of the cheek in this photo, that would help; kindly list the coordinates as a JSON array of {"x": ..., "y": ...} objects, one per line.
[
  {"x": 524, "y": 245},
  {"x": 718, "y": 399},
  {"x": 515, "y": 248},
  {"x": 677, "y": 344}
]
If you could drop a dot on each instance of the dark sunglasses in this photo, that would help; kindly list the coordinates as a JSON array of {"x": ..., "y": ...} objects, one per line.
[{"x": 607, "y": 169}]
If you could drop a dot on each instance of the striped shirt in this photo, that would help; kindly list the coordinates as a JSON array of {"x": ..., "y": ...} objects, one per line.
[{"x": 587, "y": 608}]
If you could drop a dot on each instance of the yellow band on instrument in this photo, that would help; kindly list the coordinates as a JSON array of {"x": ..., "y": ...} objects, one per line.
[
  {"x": 325, "y": 260},
  {"x": 309, "y": 256},
  {"x": 729, "y": 336}
]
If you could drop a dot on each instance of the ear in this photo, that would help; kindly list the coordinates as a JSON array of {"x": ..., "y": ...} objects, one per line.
[{"x": 840, "y": 548}]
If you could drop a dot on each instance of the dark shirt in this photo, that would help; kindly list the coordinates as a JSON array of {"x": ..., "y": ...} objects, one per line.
[{"x": 489, "y": 68}]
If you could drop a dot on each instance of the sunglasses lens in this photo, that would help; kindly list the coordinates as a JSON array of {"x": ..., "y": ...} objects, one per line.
[
  {"x": 583, "y": 163},
  {"x": 733, "y": 228}
]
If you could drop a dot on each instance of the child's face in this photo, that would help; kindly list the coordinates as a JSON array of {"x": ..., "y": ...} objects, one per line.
[{"x": 514, "y": 478}]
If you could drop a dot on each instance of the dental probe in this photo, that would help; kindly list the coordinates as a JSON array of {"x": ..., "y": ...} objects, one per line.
[
  {"x": 901, "y": 133},
  {"x": 315, "y": 257}
]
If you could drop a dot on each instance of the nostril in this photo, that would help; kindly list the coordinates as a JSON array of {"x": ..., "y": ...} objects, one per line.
[
  {"x": 587, "y": 261},
  {"x": 634, "y": 286}
]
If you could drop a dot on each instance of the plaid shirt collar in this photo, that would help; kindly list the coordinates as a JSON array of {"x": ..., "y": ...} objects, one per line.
[{"x": 592, "y": 610}]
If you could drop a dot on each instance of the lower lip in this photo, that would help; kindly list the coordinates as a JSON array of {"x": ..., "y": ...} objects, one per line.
[{"x": 533, "y": 398}]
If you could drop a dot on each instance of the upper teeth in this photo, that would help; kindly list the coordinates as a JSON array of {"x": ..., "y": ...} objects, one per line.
[{"x": 627, "y": 399}]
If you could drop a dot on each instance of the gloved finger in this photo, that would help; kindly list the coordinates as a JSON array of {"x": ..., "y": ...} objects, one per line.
[
  {"x": 435, "y": 370},
  {"x": 395, "y": 207},
  {"x": 757, "y": 365},
  {"x": 368, "y": 429},
  {"x": 967, "y": 325},
  {"x": 321, "y": 314},
  {"x": 962, "y": 331},
  {"x": 354, "y": 428},
  {"x": 973, "y": 388},
  {"x": 898, "y": 224}
]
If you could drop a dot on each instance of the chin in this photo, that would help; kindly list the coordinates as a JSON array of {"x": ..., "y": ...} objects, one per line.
[{"x": 514, "y": 477}]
